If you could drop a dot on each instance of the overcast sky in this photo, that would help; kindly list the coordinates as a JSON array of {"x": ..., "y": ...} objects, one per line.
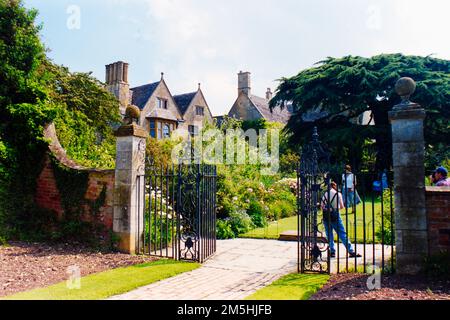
[{"x": 210, "y": 41}]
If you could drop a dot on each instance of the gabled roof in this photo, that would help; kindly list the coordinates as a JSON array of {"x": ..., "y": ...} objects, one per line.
[
  {"x": 143, "y": 93},
  {"x": 278, "y": 114},
  {"x": 183, "y": 101}
]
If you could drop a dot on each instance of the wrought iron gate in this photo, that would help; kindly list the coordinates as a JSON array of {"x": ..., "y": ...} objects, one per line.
[
  {"x": 368, "y": 228},
  {"x": 312, "y": 178},
  {"x": 179, "y": 211}
]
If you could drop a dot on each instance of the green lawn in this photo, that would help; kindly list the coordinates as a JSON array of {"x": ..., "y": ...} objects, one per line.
[
  {"x": 291, "y": 287},
  {"x": 109, "y": 283},
  {"x": 273, "y": 230}
]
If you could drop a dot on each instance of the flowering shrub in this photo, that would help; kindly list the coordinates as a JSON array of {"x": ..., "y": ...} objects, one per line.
[
  {"x": 262, "y": 198},
  {"x": 162, "y": 223}
]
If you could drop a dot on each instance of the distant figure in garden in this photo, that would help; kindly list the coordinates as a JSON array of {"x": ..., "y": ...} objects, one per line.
[
  {"x": 351, "y": 197},
  {"x": 332, "y": 220},
  {"x": 439, "y": 177}
]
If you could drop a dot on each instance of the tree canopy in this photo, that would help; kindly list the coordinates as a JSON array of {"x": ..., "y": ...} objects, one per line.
[
  {"x": 23, "y": 111},
  {"x": 34, "y": 92},
  {"x": 335, "y": 93}
]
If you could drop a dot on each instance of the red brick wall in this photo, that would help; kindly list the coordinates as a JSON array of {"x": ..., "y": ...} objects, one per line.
[
  {"x": 438, "y": 215},
  {"x": 98, "y": 180},
  {"x": 48, "y": 196}
]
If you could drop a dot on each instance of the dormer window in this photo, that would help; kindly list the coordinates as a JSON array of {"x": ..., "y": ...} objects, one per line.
[
  {"x": 162, "y": 103},
  {"x": 199, "y": 111}
]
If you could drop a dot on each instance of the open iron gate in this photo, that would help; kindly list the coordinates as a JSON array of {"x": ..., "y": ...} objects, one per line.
[
  {"x": 369, "y": 230},
  {"x": 313, "y": 249},
  {"x": 179, "y": 211}
]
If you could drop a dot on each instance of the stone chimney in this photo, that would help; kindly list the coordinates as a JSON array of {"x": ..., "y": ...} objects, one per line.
[
  {"x": 269, "y": 94},
  {"x": 117, "y": 83},
  {"x": 244, "y": 84}
]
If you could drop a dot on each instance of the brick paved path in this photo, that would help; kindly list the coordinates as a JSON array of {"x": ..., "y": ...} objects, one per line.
[{"x": 239, "y": 268}]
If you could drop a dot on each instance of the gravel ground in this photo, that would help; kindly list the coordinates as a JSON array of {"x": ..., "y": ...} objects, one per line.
[
  {"x": 25, "y": 266},
  {"x": 393, "y": 287}
]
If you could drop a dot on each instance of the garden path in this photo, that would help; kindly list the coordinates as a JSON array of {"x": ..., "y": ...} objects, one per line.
[{"x": 238, "y": 269}]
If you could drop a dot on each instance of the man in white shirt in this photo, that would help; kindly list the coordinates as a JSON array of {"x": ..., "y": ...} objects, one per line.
[
  {"x": 332, "y": 220},
  {"x": 351, "y": 197}
]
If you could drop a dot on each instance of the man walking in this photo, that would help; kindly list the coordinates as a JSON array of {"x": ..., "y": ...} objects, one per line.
[
  {"x": 349, "y": 188},
  {"x": 332, "y": 220}
]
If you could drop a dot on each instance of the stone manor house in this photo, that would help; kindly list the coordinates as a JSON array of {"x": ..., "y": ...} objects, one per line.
[
  {"x": 161, "y": 112},
  {"x": 249, "y": 107}
]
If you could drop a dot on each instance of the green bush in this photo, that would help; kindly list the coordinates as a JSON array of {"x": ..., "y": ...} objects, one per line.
[
  {"x": 83, "y": 142},
  {"x": 3, "y": 241},
  {"x": 257, "y": 214},
  {"x": 387, "y": 235},
  {"x": 224, "y": 230},
  {"x": 165, "y": 228},
  {"x": 33, "y": 93},
  {"x": 240, "y": 222},
  {"x": 285, "y": 208},
  {"x": 162, "y": 225}
]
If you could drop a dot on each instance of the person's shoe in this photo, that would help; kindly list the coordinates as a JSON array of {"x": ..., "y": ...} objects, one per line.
[
  {"x": 354, "y": 255},
  {"x": 333, "y": 255}
]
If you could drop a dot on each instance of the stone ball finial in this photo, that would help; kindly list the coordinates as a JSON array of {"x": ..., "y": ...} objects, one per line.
[
  {"x": 132, "y": 113},
  {"x": 405, "y": 88}
]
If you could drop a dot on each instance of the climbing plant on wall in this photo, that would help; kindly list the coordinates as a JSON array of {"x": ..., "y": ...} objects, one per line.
[{"x": 34, "y": 92}]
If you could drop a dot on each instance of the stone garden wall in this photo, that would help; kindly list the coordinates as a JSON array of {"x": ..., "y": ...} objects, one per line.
[{"x": 438, "y": 215}]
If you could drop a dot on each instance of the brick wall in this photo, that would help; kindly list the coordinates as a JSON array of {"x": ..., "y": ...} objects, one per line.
[
  {"x": 48, "y": 196},
  {"x": 47, "y": 193},
  {"x": 438, "y": 215}
]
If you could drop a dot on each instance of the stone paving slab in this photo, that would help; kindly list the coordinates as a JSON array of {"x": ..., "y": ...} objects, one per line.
[{"x": 239, "y": 268}]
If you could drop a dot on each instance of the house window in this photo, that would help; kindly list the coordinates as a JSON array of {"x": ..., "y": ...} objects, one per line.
[
  {"x": 152, "y": 129},
  {"x": 199, "y": 111},
  {"x": 193, "y": 130},
  {"x": 162, "y": 103},
  {"x": 159, "y": 130},
  {"x": 166, "y": 131}
]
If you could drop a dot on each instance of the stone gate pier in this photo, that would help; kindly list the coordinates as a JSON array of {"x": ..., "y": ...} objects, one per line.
[{"x": 409, "y": 181}]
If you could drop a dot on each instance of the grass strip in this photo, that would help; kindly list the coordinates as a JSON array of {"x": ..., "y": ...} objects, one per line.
[
  {"x": 109, "y": 283},
  {"x": 292, "y": 287}
]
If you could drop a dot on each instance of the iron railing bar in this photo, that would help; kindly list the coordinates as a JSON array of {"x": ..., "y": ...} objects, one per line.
[
  {"x": 392, "y": 226},
  {"x": 373, "y": 230},
  {"x": 382, "y": 222},
  {"x": 198, "y": 213},
  {"x": 161, "y": 213},
  {"x": 167, "y": 209},
  {"x": 355, "y": 220},
  {"x": 364, "y": 220},
  {"x": 346, "y": 221}
]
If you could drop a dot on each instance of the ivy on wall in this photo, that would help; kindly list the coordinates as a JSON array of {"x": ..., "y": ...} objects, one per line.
[
  {"x": 72, "y": 185},
  {"x": 34, "y": 92}
]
